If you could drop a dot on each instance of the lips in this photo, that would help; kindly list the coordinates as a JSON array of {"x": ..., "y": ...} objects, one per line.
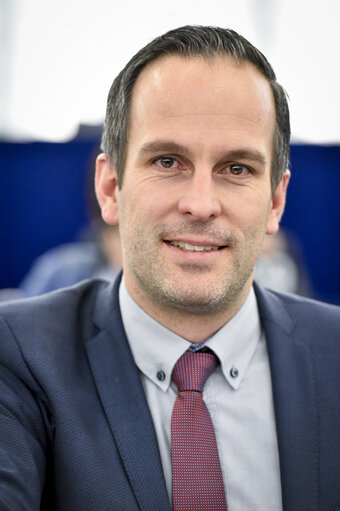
[{"x": 194, "y": 248}]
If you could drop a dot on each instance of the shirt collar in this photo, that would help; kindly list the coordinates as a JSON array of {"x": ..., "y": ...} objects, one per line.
[
  {"x": 156, "y": 349},
  {"x": 236, "y": 341}
]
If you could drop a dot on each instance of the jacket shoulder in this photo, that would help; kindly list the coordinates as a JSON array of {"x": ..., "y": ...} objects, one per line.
[
  {"x": 52, "y": 316},
  {"x": 311, "y": 320}
]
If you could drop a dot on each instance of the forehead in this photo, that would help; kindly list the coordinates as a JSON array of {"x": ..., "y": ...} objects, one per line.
[
  {"x": 192, "y": 94},
  {"x": 171, "y": 74}
]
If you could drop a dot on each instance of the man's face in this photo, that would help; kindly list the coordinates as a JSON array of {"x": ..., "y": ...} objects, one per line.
[{"x": 196, "y": 198}]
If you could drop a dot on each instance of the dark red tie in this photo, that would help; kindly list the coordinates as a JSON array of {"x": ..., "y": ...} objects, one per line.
[{"x": 197, "y": 483}]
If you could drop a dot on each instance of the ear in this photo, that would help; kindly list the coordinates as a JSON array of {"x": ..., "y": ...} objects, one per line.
[
  {"x": 278, "y": 204},
  {"x": 106, "y": 189}
]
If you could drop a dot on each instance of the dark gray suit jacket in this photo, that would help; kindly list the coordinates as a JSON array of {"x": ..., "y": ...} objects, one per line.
[{"x": 76, "y": 433}]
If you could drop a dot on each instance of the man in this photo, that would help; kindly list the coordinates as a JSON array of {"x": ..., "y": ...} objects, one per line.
[{"x": 194, "y": 170}]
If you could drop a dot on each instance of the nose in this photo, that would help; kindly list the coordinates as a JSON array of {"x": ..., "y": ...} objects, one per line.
[{"x": 199, "y": 197}]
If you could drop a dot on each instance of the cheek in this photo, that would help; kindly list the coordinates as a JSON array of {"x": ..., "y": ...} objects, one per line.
[
  {"x": 136, "y": 214},
  {"x": 248, "y": 213},
  {"x": 149, "y": 205}
]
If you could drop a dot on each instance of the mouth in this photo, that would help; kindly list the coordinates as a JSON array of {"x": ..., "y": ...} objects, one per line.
[{"x": 188, "y": 247}]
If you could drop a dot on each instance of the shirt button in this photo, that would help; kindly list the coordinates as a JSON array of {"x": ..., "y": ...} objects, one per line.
[
  {"x": 161, "y": 375},
  {"x": 234, "y": 372}
]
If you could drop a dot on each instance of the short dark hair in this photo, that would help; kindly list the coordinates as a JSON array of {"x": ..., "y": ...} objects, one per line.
[{"x": 191, "y": 41}]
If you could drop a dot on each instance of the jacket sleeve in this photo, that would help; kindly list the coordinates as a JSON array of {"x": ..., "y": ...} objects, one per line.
[{"x": 23, "y": 431}]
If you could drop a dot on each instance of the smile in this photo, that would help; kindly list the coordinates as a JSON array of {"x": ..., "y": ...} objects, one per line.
[{"x": 193, "y": 248}]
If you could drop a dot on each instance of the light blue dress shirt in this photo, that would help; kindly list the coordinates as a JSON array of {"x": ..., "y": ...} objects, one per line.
[{"x": 238, "y": 396}]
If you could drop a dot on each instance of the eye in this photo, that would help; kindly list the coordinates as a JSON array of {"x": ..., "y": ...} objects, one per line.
[
  {"x": 166, "y": 162},
  {"x": 236, "y": 169}
]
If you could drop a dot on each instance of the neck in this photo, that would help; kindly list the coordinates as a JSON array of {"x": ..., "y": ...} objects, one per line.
[{"x": 192, "y": 327}]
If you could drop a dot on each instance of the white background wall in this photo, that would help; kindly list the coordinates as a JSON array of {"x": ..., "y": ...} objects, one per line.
[{"x": 59, "y": 57}]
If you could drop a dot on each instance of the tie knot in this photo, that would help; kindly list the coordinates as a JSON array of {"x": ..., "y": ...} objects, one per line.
[{"x": 193, "y": 369}]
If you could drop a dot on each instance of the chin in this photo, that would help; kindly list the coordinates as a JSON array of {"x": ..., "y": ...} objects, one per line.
[{"x": 197, "y": 301}]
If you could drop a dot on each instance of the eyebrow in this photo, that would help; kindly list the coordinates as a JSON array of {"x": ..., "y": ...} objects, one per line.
[
  {"x": 247, "y": 154},
  {"x": 168, "y": 146}
]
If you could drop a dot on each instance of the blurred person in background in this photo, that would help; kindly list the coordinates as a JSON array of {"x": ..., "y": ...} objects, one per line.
[
  {"x": 70, "y": 263},
  {"x": 281, "y": 265}
]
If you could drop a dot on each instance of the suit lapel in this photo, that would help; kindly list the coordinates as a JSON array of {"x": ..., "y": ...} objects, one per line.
[
  {"x": 123, "y": 399},
  {"x": 294, "y": 391}
]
